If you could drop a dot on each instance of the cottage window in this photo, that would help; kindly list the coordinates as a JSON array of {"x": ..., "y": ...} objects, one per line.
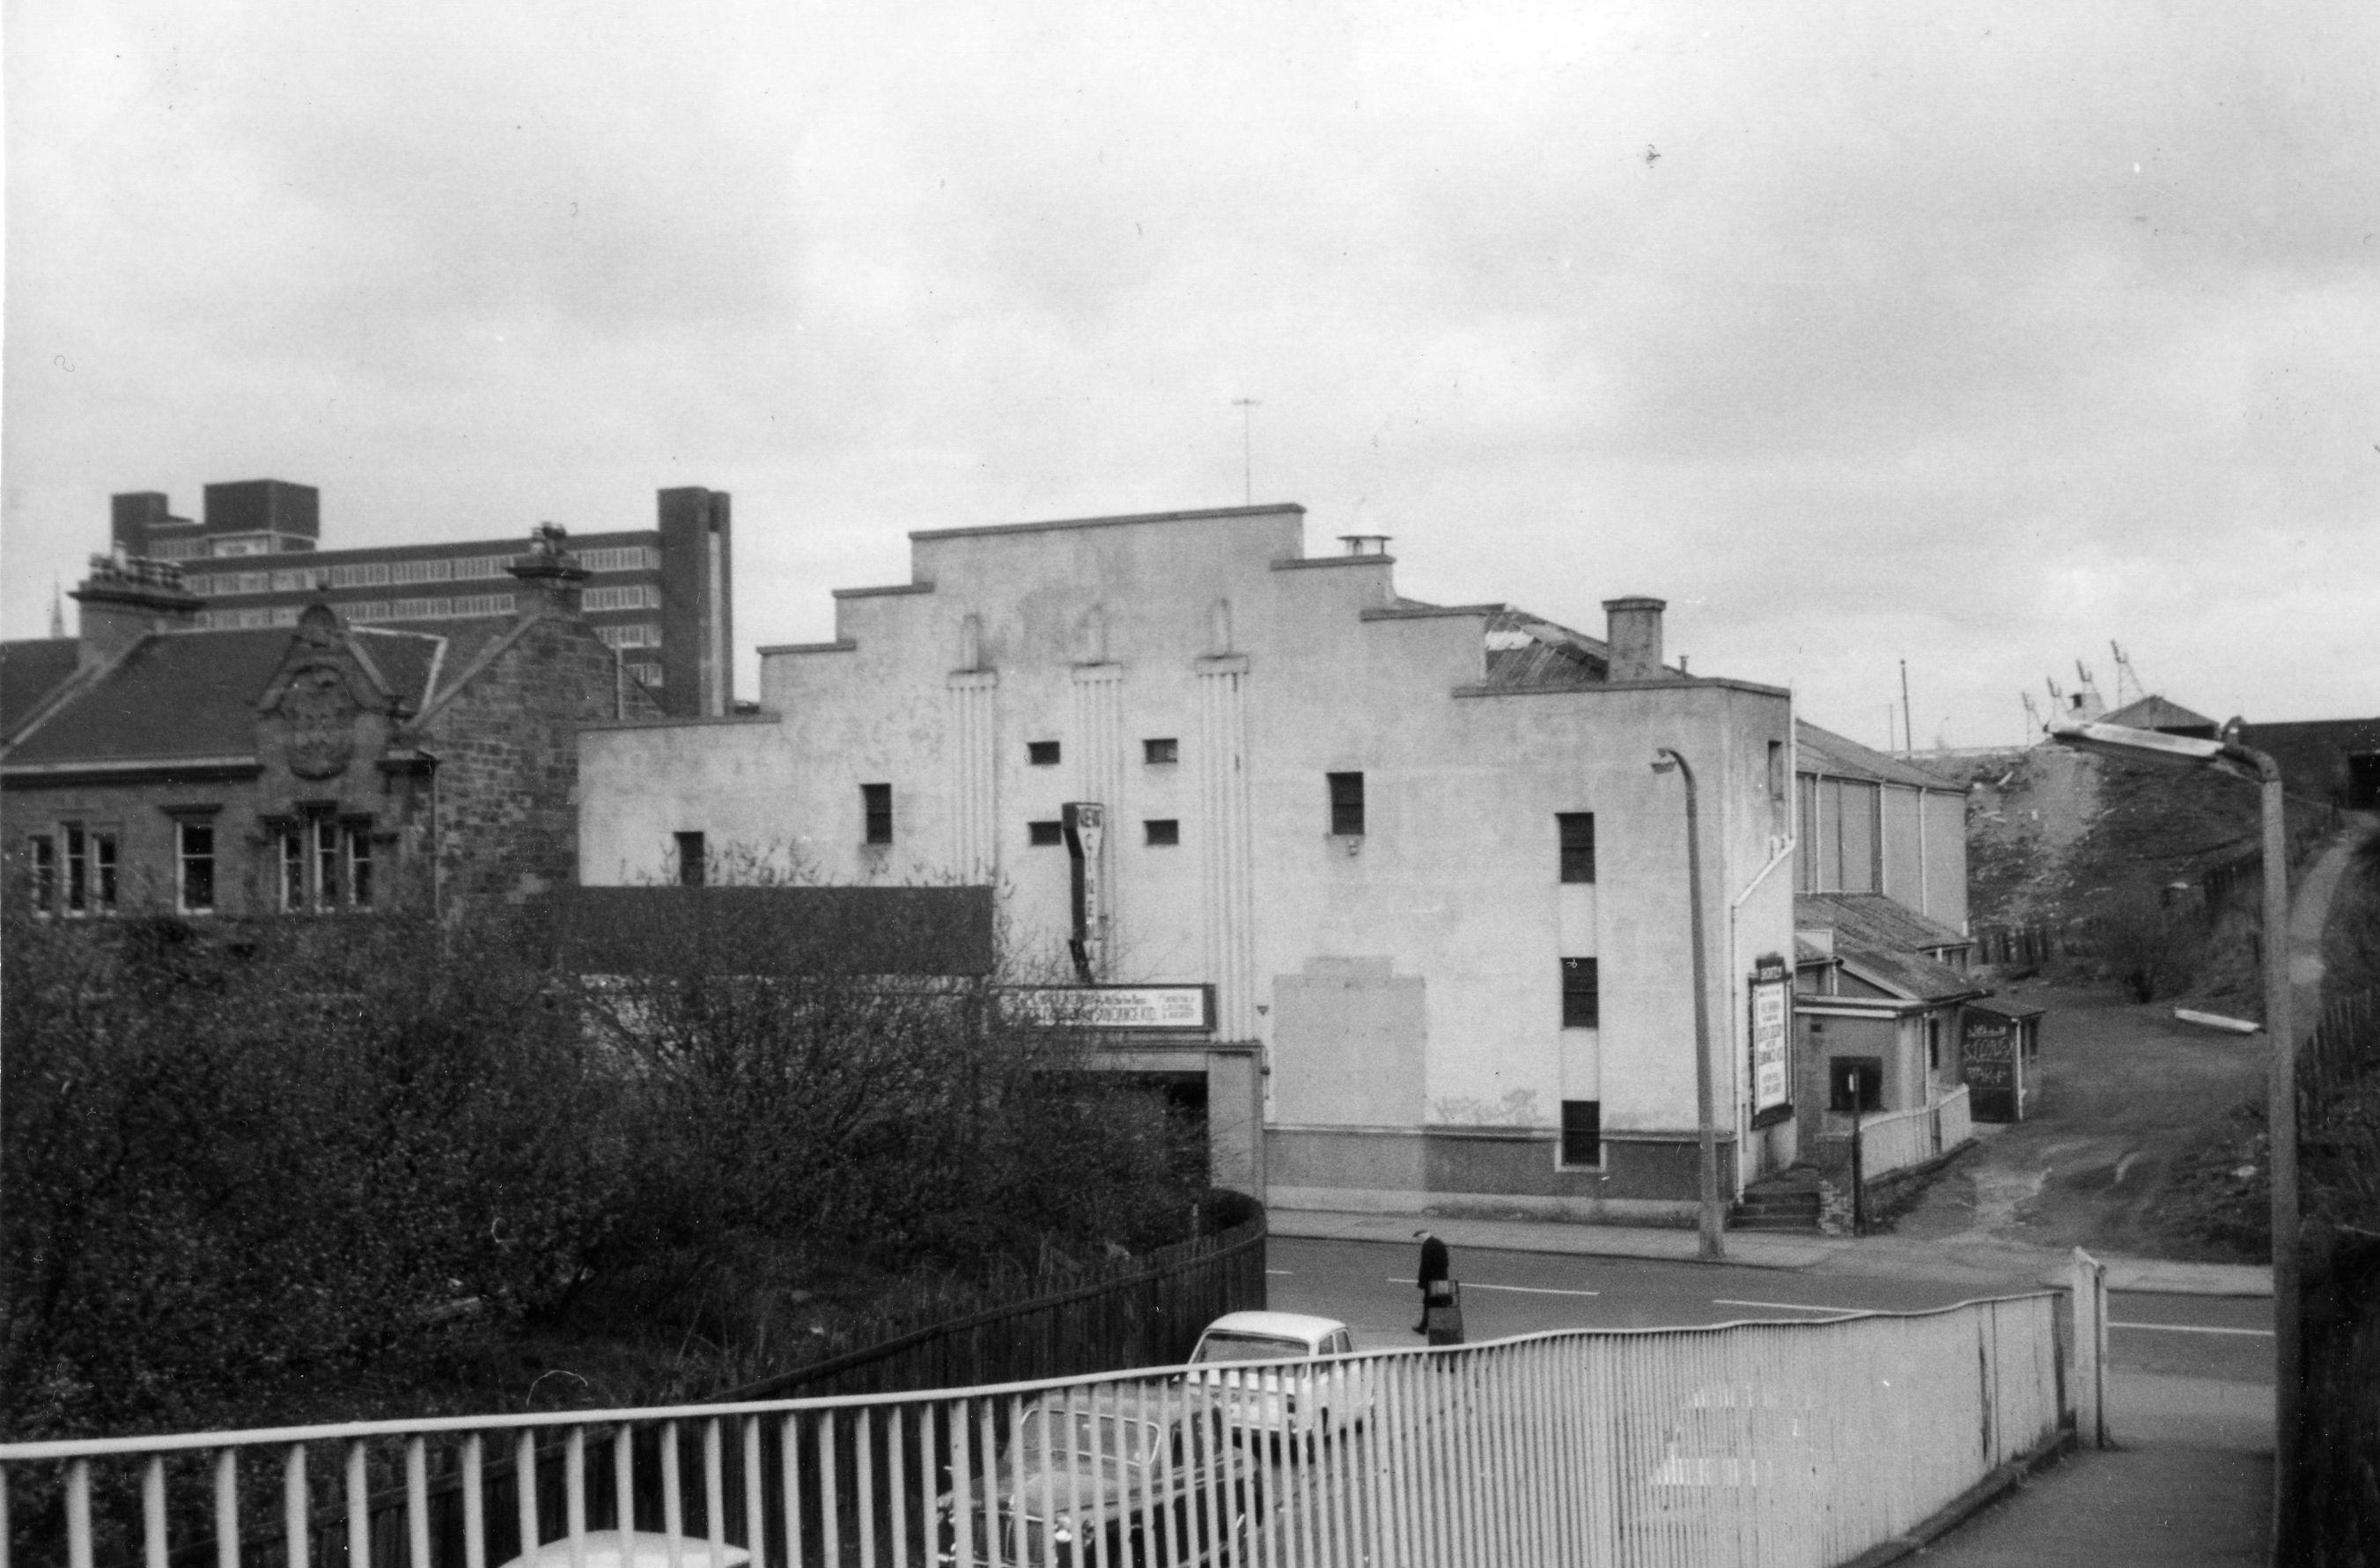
[
  {"x": 1164, "y": 830},
  {"x": 1582, "y": 1132},
  {"x": 1577, "y": 830},
  {"x": 1582, "y": 998},
  {"x": 91, "y": 868},
  {"x": 194, "y": 867},
  {"x": 42, "y": 856},
  {"x": 325, "y": 866},
  {"x": 1041, "y": 753},
  {"x": 1164, "y": 750},
  {"x": 875, "y": 806},
  {"x": 1346, "y": 805},
  {"x": 692, "y": 859}
]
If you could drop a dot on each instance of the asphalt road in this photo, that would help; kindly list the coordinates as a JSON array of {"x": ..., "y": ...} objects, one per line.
[{"x": 1369, "y": 1287}]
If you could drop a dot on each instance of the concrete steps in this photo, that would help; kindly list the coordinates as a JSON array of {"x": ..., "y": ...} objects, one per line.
[{"x": 1787, "y": 1201}]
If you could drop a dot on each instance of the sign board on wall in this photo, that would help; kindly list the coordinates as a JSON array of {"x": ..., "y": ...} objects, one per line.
[
  {"x": 1993, "y": 1067},
  {"x": 1772, "y": 1079},
  {"x": 1085, "y": 827},
  {"x": 1182, "y": 1009}
]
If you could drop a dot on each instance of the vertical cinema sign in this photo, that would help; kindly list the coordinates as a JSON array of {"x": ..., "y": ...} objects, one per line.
[
  {"x": 1772, "y": 1079},
  {"x": 1086, "y": 823}
]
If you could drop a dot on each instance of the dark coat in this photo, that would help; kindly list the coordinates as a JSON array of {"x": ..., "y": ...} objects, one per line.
[{"x": 1433, "y": 1262}]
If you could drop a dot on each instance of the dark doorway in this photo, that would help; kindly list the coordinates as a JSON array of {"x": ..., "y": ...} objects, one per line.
[
  {"x": 1855, "y": 1083},
  {"x": 2363, "y": 782}
]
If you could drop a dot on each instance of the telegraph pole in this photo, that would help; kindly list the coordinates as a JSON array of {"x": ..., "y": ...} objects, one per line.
[{"x": 1248, "y": 448}]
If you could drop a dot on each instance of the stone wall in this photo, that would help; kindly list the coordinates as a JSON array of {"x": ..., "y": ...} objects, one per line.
[{"x": 507, "y": 751}]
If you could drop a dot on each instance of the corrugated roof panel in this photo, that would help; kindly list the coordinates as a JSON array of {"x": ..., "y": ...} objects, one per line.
[{"x": 1824, "y": 751}]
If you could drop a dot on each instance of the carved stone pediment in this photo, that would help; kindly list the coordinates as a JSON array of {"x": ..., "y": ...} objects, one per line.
[{"x": 319, "y": 713}]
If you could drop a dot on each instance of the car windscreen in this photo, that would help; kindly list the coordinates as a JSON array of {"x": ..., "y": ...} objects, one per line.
[
  {"x": 1248, "y": 1347},
  {"x": 1084, "y": 1435}
]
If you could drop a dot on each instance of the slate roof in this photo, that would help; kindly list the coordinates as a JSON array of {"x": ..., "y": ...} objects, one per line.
[
  {"x": 774, "y": 930},
  {"x": 1824, "y": 751},
  {"x": 2157, "y": 714},
  {"x": 181, "y": 694},
  {"x": 1525, "y": 649},
  {"x": 1872, "y": 919},
  {"x": 1913, "y": 974},
  {"x": 29, "y": 671}
]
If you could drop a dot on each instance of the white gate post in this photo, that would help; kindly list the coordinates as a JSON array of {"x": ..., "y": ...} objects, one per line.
[{"x": 2090, "y": 1292}]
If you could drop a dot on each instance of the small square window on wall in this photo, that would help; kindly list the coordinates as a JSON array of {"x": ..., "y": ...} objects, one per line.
[
  {"x": 1045, "y": 835},
  {"x": 1165, "y": 749},
  {"x": 1576, "y": 832},
  {"x": 1346, "y": 805},
  {"x": 1163, "y": 830},
  {"x": 1582, "y": 1132},
  {"x": 1041, "y": 753},
  {"x": 692, "y": 859},
  {"x": 1582, "y": 999},
  {"x": 875, "y": 806}
]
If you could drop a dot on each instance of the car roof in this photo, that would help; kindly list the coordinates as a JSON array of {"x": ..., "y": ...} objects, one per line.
[{"x": 1278, "y": 1325}]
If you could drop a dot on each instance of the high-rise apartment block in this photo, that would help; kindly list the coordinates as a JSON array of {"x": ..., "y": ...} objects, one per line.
[{"x": 662, "y": 596}]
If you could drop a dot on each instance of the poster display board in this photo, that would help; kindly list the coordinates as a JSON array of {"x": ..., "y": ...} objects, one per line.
[
  {"x": 1772, "y": 1076},
  {"x": 1991, "y": 1067}
]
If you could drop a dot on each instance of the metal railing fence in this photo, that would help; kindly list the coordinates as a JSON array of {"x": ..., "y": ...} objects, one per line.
[{"x": 1777, "y": 1444}]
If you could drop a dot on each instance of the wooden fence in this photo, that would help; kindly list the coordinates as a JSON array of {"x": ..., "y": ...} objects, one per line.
[{"x": 2338, "y": 1193}]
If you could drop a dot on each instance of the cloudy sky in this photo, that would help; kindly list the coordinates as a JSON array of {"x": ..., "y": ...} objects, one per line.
[{"x": 1975, "y": 336}]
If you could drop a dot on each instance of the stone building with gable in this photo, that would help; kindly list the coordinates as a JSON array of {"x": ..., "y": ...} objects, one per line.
[{"x": 316, "y": 769}]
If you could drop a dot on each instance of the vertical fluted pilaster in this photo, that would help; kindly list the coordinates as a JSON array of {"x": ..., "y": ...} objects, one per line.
[
  {"x": 975, "y": 775},
  {"x": 1226, "y": 848}
]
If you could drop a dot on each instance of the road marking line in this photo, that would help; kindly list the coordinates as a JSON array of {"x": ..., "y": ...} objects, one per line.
[
  {"x": 2193, "y": 1329},
  {"x": 1281, "y": 1272},
  {"x": 1787, "y": 1305},
  {"x": 1516, "y": 1290}
]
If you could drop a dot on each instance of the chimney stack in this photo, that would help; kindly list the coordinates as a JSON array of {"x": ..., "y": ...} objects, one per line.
[
  {"x": 125, "y": 598},
  {"x": 1635, "y": 637},
  {"x": 551, "y": 578}
]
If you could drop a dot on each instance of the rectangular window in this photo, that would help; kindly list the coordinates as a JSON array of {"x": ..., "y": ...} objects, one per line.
[
  {"x": 325, "y": 865},
  {"x": 1346, "y": 805},
  {"x": 1581, "y": 995},
  {"x": 1582, "y": 1132},
  {"x": 78, "y": 870},
  {"x": 103, "y": 872},
  {"x": 1045, "y": 835},
  {"x": 42, "y": 856},
  {"x": 1166, "y": 749},
  {"x": 1041, "y": 753},
  {"x": 876, "y": 802},
  {"x": 1164, "y": 830},
  {"x": 692, "y": 859},
  {"x": 360, "y": 866},
  {"x": 194, "y": 867},
  {"x": 1855, "y": 1081},
  {"x": 1577, "y": 830}
]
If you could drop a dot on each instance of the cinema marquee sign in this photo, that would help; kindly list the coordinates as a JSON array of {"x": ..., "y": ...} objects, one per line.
[{"x": 1168, "y": 1009}]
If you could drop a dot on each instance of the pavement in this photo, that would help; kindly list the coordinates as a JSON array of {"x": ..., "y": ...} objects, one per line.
[{"x": 1986, "y": 1263}]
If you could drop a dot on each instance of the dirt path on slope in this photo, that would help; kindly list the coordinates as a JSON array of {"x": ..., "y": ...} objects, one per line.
[{"x": 2125, "y": 1092}]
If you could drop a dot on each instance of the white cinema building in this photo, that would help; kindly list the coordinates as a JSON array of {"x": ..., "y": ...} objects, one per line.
[{"x": 1414, "y": 864}]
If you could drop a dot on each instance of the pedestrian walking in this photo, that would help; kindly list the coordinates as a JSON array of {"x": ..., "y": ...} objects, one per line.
[{"x": 1441, "y": 1302}]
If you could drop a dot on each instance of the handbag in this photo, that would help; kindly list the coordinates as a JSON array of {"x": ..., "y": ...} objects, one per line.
[{"x": 1442, "y": 1312}]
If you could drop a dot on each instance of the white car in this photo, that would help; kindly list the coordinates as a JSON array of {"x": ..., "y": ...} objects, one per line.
[{"x": 1321, "y": 1399}]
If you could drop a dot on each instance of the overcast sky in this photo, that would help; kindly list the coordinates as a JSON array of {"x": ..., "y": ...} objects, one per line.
[{"x": 1976, "y": 336}]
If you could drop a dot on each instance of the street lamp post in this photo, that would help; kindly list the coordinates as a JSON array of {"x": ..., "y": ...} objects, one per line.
[
  {"x": 2281, "y": 1087},
  {"x": 1714, "y": 1245}
]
